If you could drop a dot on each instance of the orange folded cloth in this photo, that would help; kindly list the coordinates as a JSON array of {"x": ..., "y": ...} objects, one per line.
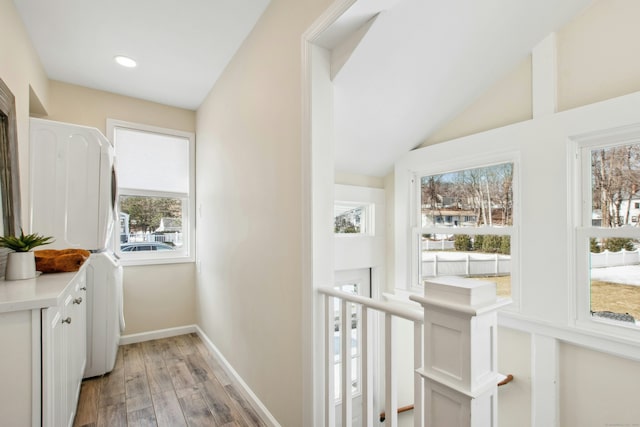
[{"x": 57, "y": 261}]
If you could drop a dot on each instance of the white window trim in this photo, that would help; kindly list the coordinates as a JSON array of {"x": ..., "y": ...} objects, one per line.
[
  {"x": 160, "y": 257},
  {"x": 580, "y": 145},
  {"x": 368, "y": 221},
  {"x": 421, "y": 163},
  {"x": 545, "y": 144}
]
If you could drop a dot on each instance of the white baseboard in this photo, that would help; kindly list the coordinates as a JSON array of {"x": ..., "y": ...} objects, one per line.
[
  {"x": 159, "y": 334},
  {"x": 257, "y": 405},
  {"x": 253, "y": 400}
]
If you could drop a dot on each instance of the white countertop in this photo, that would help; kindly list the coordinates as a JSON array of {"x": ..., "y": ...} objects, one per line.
[{"x": 29, "y": 294}]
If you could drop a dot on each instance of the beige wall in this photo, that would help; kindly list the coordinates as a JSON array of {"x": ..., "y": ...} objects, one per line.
[
  {"x": 155, "y": 296},
  {"x": 159, "y": 297},
  {"x": 21, "y": 70},
  {"x": 90, "y": 107},
  {"x": 598, "y": 54},
  {"x": 597, "y": 60},
  {"x": 359, "y": 180},
  {"x": 506, "y": 102},
  {"x": 597, "y": 389},
  {"x": 249, "y": 290},
  {"x": 514, "y": 399}
]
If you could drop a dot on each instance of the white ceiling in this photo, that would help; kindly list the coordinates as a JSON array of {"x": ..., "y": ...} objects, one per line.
[
  {"x": 420, "y": 63},
  {"x": 181, "y": 47}
]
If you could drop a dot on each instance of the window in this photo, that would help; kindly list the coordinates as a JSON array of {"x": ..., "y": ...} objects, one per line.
[
  {"x": 353, "y": 218},
  {"x": 466, "y": 225},
  {"x": 155, "y": 193},
  {"x": 608, "y": 244}
]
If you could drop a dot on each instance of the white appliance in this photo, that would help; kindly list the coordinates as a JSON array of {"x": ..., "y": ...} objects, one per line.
[
  {"x": 73, "y": 196},
  {"x": 104, "y": 298}
]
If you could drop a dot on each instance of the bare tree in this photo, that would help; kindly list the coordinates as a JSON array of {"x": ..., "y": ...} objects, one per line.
[
  {"x": 487, "y": 191},
  {"x": 615, "y": 175}
]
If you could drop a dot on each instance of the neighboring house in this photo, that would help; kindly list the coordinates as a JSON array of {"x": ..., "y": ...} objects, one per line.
[
  {"x": 169, "y": 225},
  {"x": 628, "y": 213},
  {"x": 449, "y": 217},
  {"x": 448, "y": 211}
]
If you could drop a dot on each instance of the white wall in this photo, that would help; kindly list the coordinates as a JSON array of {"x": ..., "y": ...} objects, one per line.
[
  {"x": 595, "y": 63},
  {"x": 542, "y": 152},
  {"x": 352, "y": 251},
  {"x": 249, "y": 287}
]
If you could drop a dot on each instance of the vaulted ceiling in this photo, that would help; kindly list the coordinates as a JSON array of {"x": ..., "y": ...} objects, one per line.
[
  {"x": 419, "y": 63},
  {"x": 408, "y": 66}
]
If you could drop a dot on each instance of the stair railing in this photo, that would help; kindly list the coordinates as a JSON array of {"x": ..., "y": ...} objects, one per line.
[{"x": 390, "y": 311}]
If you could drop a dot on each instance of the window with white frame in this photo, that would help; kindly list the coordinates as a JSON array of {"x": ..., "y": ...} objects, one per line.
[
  {"x": 608, "y": 236},
  {"x": 155, "y": 193},
  {"x": 353, "y": 218},
  {"x": 465, "y": 222}
]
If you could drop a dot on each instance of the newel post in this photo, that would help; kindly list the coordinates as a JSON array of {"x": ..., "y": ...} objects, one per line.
[{"x": 460, "y": 352}]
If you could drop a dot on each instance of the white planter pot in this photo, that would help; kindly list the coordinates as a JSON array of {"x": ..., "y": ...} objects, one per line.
[{"x": 20, "y": 265}]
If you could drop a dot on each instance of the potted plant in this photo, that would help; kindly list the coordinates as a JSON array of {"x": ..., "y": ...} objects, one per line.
[{"x": 21, "y": 263}]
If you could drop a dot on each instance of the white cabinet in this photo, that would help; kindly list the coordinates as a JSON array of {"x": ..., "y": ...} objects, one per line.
[
  {"x": 64, "y": 354},
  {"x": 43, "y": 323},
  {"x": 76, "y": 346},
  {"x": 53, "y": 367}
]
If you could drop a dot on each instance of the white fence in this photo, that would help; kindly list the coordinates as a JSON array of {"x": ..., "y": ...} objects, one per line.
[
  {"x": 476, "y": 264},
  {"x": 464, "y": 264},
  {"x": 615, "y": 259},
  {"x": 434, "y": 245},
  {"x": 175, "y": 238}
]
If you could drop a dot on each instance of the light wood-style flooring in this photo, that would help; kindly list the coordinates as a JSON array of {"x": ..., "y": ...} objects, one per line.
[{"x": 168, "y": 382}]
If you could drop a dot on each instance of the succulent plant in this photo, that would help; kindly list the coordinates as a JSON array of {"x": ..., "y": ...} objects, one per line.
[{"x": 24, "y": 243}]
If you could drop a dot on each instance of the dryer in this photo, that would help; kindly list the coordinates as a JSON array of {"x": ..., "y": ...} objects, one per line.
[{"x": 73, "y": 196}]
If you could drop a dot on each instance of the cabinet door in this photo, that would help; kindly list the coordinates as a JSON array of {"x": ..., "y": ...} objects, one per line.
[
  {"x": 76, "y": 338},
  {"x": 53, "y": 368}
]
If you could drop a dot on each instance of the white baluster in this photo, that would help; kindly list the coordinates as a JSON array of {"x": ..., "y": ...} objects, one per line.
[
  {"x": 329, "y": 381},
  {"x": 391, "y": 383},
  {"x": 345, "y": 359},
  {"x": 367, "y": 370},
  {"x": 417, "y": 383}
]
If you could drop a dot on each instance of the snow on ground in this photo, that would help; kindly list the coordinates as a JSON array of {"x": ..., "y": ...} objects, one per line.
[{"x": 626, "y": 274}]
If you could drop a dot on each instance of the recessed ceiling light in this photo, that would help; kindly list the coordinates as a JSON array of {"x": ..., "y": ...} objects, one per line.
[{"x": 125, "y": 61}]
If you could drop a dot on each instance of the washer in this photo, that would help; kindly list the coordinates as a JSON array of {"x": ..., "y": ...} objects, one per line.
[{"x": 105, "y": 303}]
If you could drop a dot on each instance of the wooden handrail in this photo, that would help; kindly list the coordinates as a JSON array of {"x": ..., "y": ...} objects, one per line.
[
  {"x": 506, "y": 381},
  {"x": 383, "y": 416},
  {"x": 400, "y": 410}
]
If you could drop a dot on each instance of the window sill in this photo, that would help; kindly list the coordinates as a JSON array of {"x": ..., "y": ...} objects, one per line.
[
  {"x": 578, "y": 335},
  {"x": 127, "y": 262}
]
